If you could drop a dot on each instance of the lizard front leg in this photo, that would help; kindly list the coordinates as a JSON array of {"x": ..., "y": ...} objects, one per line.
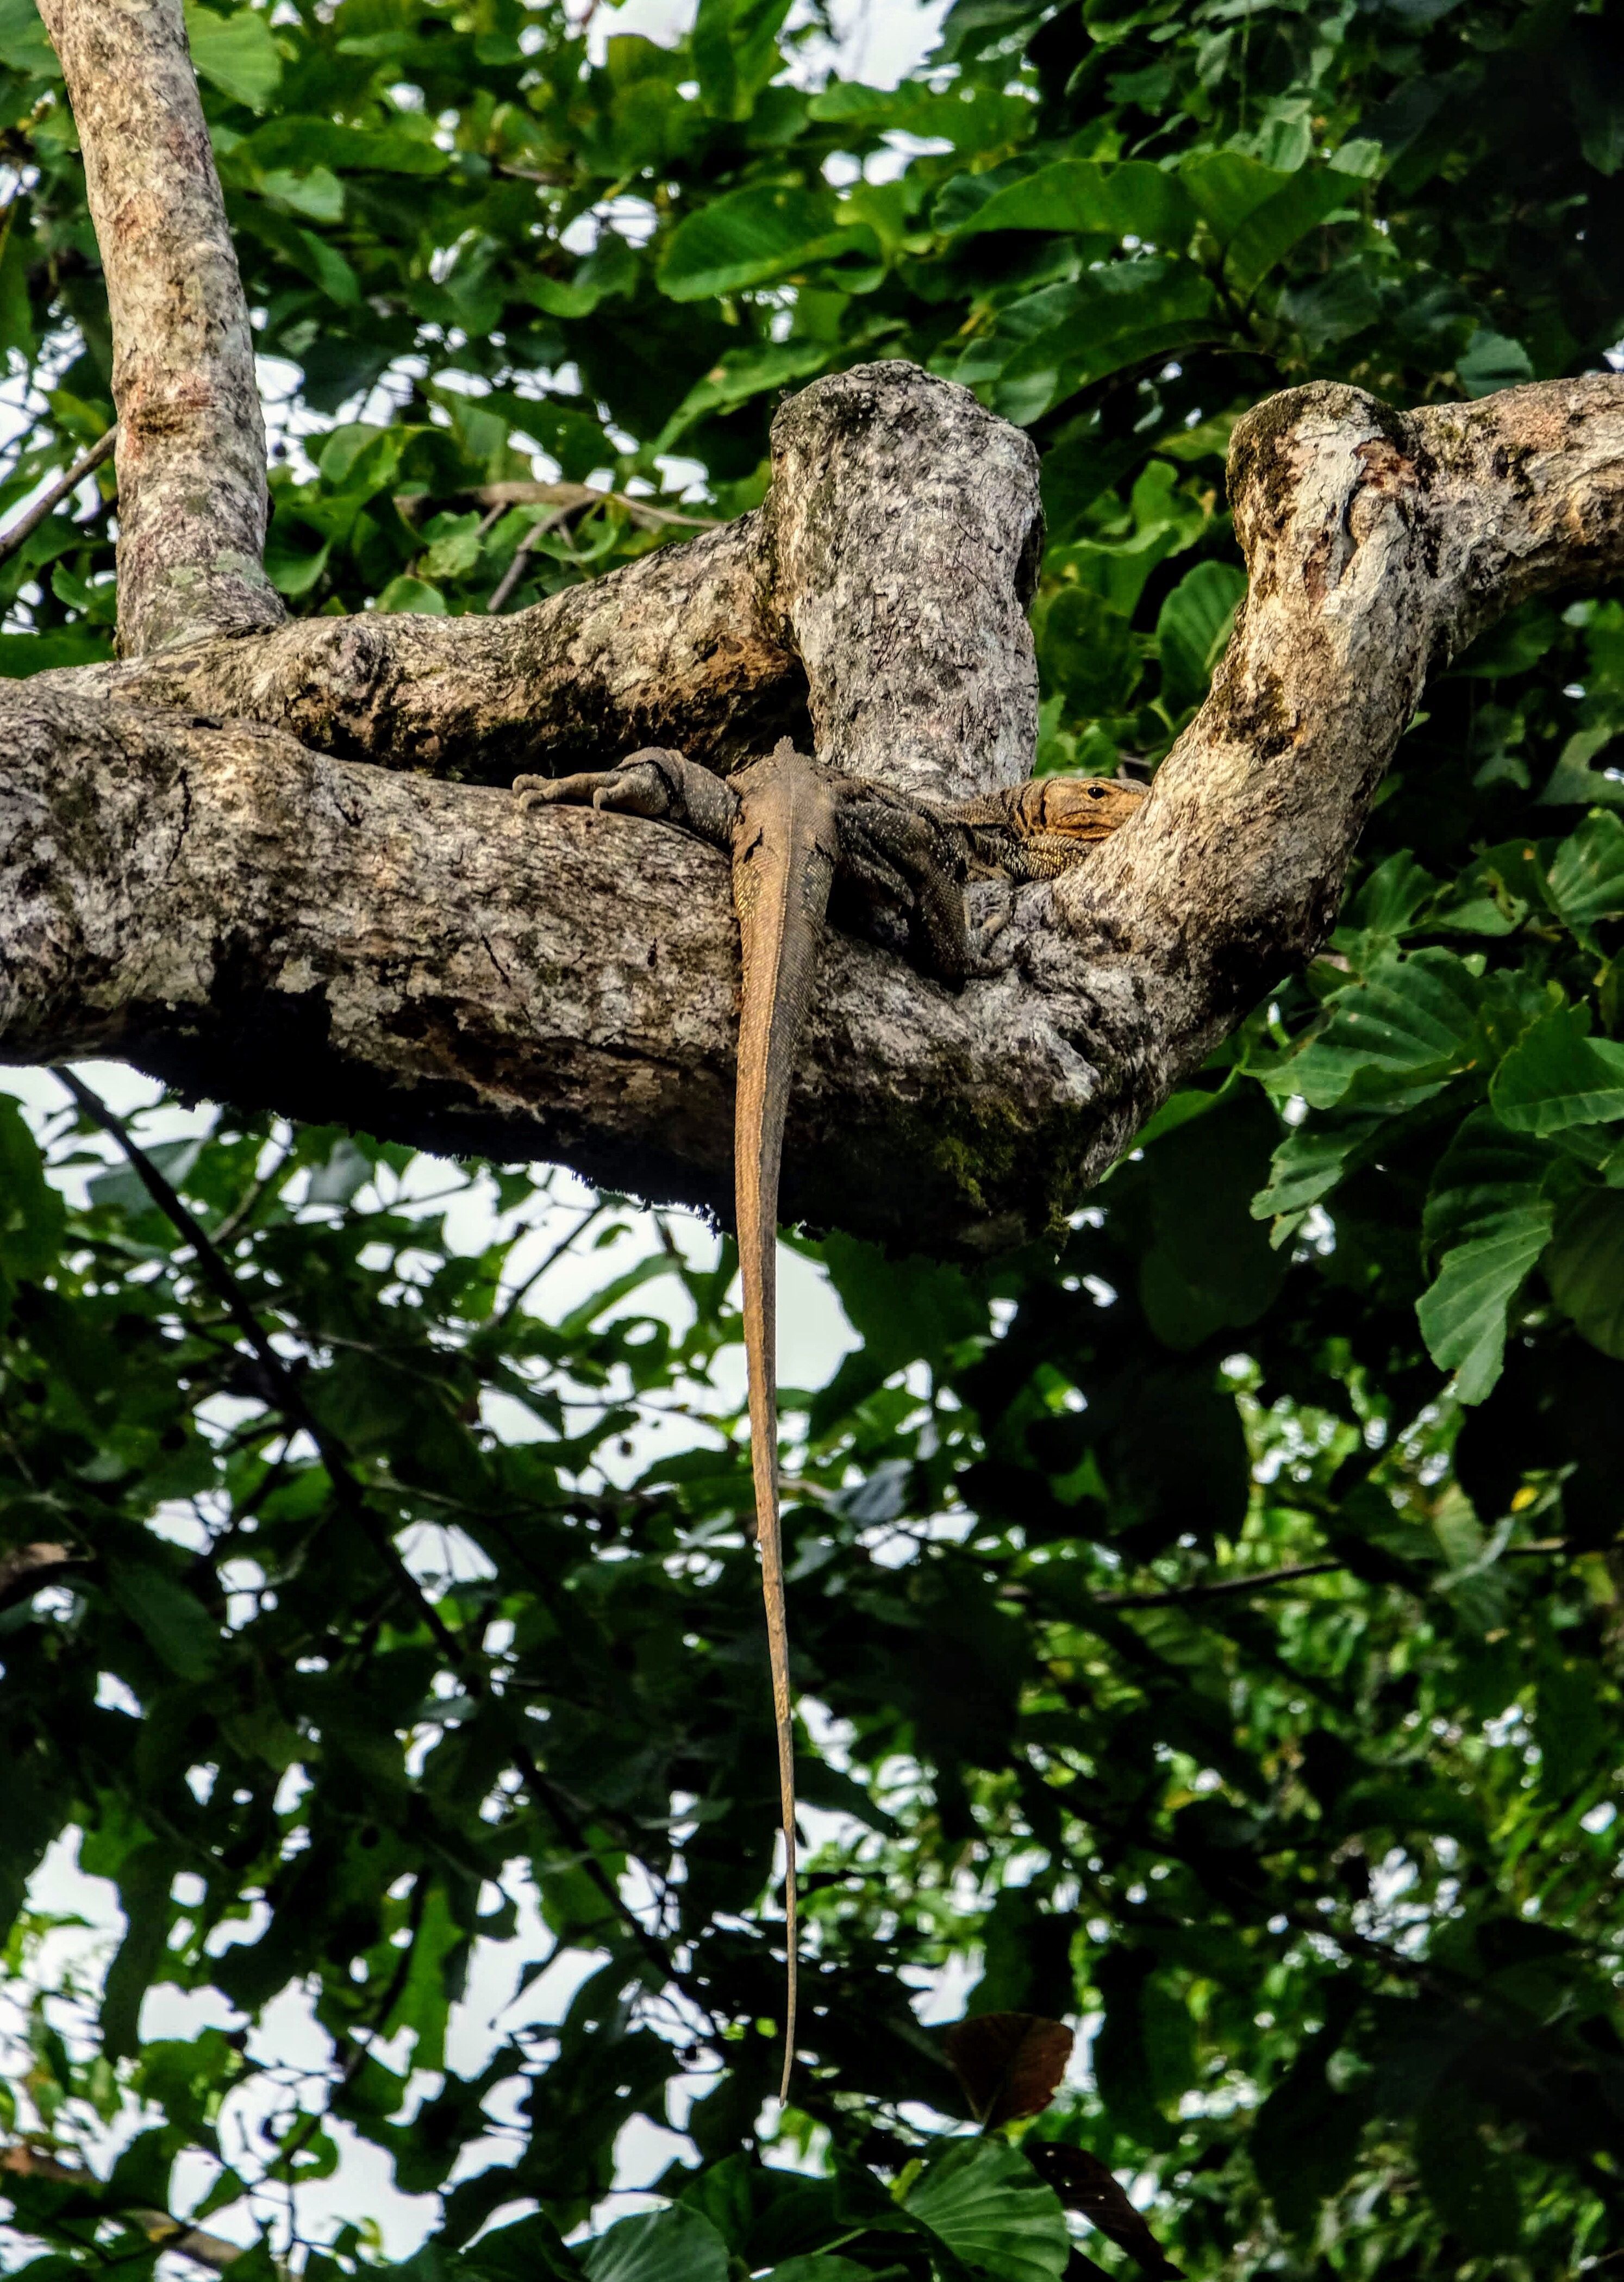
[{"x": 653, "y": 783}]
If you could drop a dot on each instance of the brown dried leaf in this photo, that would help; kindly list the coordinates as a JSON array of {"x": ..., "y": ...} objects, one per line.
[
  {"x": 1084, "y": 2183},
  {"x": 1010, "y": 2064}
]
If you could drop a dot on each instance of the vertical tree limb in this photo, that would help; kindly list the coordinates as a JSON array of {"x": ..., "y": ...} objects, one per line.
[{"x": 192, "y": 498}]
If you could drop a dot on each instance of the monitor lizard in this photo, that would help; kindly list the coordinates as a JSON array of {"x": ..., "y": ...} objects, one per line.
[{"x": 795, "y": 828}]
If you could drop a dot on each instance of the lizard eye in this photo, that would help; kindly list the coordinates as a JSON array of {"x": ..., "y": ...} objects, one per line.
[{"x": 1096, "y": 792}]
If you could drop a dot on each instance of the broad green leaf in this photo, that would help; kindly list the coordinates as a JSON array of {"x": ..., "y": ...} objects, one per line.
[
  {"x": 1308, "y": 1164},
  {"x": 968, "y": 116},
  {"x": 676, "y": 2244},
  {"x": 751, "y": 235},
  {"x": 1463, "y": 1313},
  {"x": 144, "y": 1876},
  {"x": 1484, "y": 1174},
  {"x": 1134, "y": 199},
  {"x": 1560, "y": 1076},
  {"x": 529, "y": 2250},
  {"x": 1124, "y": 314},
  {"x": 1302, "y": 203},
  {"x": 1472, "y": 2187},
  {"x": 23, "y": 44},
  {"x": 32, "y": 1218},
  {"x": 1228, "y": 188},
  {"x": 1586, "y": 878},
  {"x": 1210, "y": 1264},
  {"x": 1585, "y": 1268},
  {"x": 296, "y": 141},
  {"x": 1489, "y": 361},
  {"x": 985, "y": 2201},
  {"x": 409, "y": 594},
  {"x": 1193, "y": 629},
  {"x": 1087, "y": 650},
  {"x": 735, "y": 50},
  {"x": 743, "y": 374},
  {"x": 238, "y": 53},
  {"x": 1411, "y": 1023},
  {"x": 1574, "y": 782},
  {"x": 823, "y": 2266},
  {"x": 176, "y": 1622}
]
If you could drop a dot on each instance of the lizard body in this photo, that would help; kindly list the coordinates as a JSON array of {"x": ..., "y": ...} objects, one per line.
[{"x": 791, "y": 828}]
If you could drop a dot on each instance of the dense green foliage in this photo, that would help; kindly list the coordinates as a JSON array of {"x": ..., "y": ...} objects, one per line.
[{"x": 1327, "y": 1862}]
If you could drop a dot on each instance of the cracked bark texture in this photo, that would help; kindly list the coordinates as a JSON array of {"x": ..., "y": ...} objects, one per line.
[
  {"x": 269, "y": 861},
  {"x": 254, "y": 919},
  {"x": 192, "y": 497}
]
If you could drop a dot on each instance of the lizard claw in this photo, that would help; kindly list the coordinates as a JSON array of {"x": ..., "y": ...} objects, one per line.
[{"x": 635, "y": 787}]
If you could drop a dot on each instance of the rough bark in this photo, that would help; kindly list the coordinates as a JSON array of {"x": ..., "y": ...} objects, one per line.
[
  {"x": 191, "y": 435},
  {"x": 204, "y": 867},
  {"x": 257, "y": 921},
  {"x": 878, "y": 589}
]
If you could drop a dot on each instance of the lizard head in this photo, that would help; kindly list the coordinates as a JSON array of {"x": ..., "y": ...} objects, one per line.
[{"x": 1082, "y": 808}]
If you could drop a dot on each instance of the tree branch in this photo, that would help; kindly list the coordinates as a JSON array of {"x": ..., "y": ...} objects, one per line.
[
  {"x": 25, "y": 524},
  {"x": 250, "y": 919},
  {"x": 192, "y": 498}
]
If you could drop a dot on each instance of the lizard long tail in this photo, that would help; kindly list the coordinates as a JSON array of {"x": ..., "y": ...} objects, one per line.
[{"x": 783, "y": 868}]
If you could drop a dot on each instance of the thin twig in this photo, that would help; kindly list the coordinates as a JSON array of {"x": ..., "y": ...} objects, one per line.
[
  {"x": 352, "y": 1497},
  {"x": 515, "y": 570},
  {"x": 24, "y": 2162},
  {"x": 85, "y": 465},
  {"x": 1259, "y": 1581},
  {"x": 1265, "y": 1580}
]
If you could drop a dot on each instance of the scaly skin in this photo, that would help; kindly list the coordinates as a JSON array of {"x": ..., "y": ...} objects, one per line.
[{"x": 790, "y": 825}]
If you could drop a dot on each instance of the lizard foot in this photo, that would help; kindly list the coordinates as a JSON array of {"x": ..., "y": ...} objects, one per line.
[{"x": 653, "y": 783}]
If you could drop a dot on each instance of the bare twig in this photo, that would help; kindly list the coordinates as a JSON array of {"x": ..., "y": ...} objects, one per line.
[
  {"x": 24, "y": 2162},
  {"x": 28, "y": 1569},
  {"x": 352, "y": 1496},
  {"x": 86, "y": 464}
]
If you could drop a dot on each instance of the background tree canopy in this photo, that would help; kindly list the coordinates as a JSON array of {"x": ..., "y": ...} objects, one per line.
[{"x": 1217, "y": 1619}]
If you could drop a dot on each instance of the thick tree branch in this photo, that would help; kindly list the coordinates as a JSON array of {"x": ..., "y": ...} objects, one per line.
[
  {"x": 191, "y": 435},
  {"x": 256, "y": 921},
  {"x": 880, "y": 587}
]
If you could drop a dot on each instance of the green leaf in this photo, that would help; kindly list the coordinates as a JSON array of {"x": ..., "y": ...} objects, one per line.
[
  {"x": 175, "y": 1622},
  {"x": 1308, "y": 1163},
  {"x": 1193, "y": 630},
  {"x": 1124, "y": 314},
  {"x": 1259, "y": 212},
  {"x": 145, "y": 1878},
  {"x": 741, "y": 375},
  {"x": 677, "y": 2245},
  {"x": 1412, "y": 1021},
  {"x": 1134, "y": 199},
  {"x": 1484, "y": 1174},
  {"x": 735, "y": 48},
  {"x": 1211, "y": 1265},
  {"x": 1472, "y": 2189},
  {"x": 1557, "y": 1076},
  {"x": 238, "y": 54},
  {"x": 1586, "y": 876},
  {"x": 823, "y": 2266},
  {"x": 408, "y": 594},
  {"x": 32, "y": 1217},
  {"x": 1305, "y": 2137},
  {"x": 1087, "y": 650},
  {"x": 1573, "y": 782},
  {"x": 23, "y": 45},
  {"x": 1585, "y": 1268},
  {"x": 985, "y": 2201},
  {"x": 1489, "y": 361},
  {"x": 531, "y": 2250},
  {"x": 1462, "y": 1314},
  {"x": 752, "y": 235},
  {"x": 1302, "y": 202}
]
